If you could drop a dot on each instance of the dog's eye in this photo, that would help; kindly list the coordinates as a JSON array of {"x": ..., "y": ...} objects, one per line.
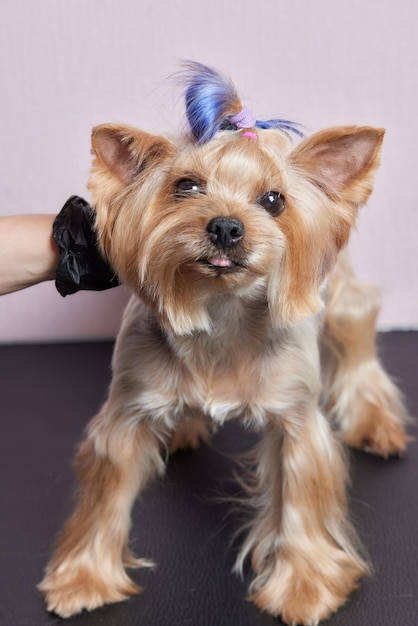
[
  {"x": 186, "y": 186},
  {"x": 273, "y": 202}
]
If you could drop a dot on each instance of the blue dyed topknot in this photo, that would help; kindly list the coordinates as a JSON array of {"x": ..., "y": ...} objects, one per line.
[{"x": 211, "y": 99}]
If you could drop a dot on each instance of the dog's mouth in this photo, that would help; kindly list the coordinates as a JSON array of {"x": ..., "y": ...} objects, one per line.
[{"x": 223, "y": 264}]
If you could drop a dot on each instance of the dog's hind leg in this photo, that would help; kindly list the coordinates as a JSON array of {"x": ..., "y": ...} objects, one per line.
[
  {"x": 364, "y": 402},
  {"x": 113, "y": 463},
  {"x": 189, "y": 433}
]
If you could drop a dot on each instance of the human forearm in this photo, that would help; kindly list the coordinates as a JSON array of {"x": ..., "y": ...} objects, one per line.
[{"x": 28, "y": 253}]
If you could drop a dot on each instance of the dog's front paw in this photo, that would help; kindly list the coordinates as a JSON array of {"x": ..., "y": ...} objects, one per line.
[
  {"x": 303, "y": 594},
  {"x": 68, "y": 592}
]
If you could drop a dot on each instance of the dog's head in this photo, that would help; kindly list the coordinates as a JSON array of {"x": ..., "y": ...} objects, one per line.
[{"x": 244, "y": 213}]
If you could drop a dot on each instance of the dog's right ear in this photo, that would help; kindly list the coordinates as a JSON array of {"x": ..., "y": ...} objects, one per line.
[
  {"x": 124, "y": 157},
  {"x": 126, "y": 151}
]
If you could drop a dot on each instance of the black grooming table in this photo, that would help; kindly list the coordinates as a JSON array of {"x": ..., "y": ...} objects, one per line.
[{"x": 184, "y": 522}]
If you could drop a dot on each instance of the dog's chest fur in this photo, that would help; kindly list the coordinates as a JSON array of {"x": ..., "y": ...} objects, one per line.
[{"x": 243, "y": 368}]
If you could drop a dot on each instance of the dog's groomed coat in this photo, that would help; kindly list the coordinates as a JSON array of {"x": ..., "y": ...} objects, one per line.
[{"x": 244, "y": 308}]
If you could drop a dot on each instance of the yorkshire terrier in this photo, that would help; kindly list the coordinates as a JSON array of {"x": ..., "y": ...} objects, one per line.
[{"x": 245, "y": 307}]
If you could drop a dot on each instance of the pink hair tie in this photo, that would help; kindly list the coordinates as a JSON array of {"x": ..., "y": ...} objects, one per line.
[
  {"x": 250, "y": 134},
  {"x": 243, "y": 119}
]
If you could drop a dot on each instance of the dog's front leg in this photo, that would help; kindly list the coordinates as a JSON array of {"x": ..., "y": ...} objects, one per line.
[
  {"x": 113, "y": 463},
  {"x": 303, "y": 548}
]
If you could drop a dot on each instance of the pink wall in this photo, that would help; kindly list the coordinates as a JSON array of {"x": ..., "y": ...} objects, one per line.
[{"x": 66, "y": 66}]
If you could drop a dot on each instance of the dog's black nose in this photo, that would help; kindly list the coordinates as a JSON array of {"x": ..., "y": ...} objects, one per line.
[{"x": 225, "y": 232}]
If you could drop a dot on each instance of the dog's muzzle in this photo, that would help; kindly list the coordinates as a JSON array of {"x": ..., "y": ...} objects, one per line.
[{"x": 225, "y": 232}]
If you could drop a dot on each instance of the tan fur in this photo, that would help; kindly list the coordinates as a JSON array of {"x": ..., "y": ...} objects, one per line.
[
  {"x": 200, "y": 344},
  {"x": 359, "y": 394}
]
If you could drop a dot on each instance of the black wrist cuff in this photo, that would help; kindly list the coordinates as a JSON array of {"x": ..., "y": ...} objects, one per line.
[{"x": 81, "y": 265}]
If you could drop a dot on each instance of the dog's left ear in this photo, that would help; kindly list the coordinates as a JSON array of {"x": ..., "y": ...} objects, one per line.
[
  {"x": 341, "y": 161},
  {"x": 335, "y": 169}
]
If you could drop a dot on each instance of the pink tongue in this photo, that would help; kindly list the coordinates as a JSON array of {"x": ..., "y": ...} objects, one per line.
[{"x": 220, "y": 261}]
